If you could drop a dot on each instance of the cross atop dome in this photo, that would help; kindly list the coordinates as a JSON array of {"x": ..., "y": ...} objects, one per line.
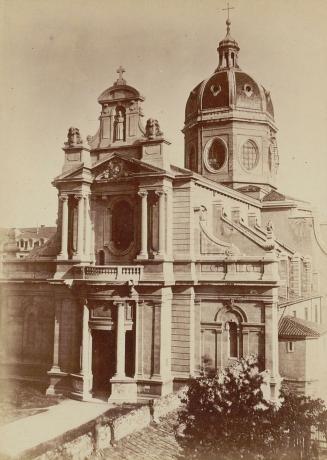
[
  {"x": 120, "y": 80},
  {"x": 228, "y": 21}
]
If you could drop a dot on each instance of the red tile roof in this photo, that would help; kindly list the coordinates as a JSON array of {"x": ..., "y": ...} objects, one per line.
[{"x": 290, "y": 326}]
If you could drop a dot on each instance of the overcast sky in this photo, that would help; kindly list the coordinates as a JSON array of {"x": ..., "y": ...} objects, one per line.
[{"x": 58, "y": 56}]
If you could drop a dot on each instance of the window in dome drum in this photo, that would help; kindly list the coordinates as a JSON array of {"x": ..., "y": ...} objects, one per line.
[
  {"x": 216, "y": 155},
  {"x": 249, "y": 155}
]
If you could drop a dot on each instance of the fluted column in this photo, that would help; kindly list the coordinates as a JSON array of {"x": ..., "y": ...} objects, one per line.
[
  {"x": 120, "y": 341},
  {"x": 80, "y": 226},
  {"x": 64, "y": 227},
  {"x": 144, "y": 225},
  {"x": 162, "y": 222}
]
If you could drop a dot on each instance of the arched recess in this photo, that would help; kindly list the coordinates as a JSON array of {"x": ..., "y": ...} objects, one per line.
[{"x": 231, "y": 313}]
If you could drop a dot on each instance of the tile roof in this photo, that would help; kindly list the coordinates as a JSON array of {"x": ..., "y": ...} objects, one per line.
[{"x": 290, "y": 326}]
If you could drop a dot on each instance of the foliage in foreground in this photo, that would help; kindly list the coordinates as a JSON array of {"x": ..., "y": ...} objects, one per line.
[{"x": 225, "y": 416}]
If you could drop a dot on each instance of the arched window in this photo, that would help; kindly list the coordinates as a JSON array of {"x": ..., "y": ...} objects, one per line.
[
  {"x": 249, "y": 155},
  {"x": 122, "y": 233},
  {"x": 216, "y": 155},
  {"x": 233, "y": 340},
  {"x": 21, "y": 243}
]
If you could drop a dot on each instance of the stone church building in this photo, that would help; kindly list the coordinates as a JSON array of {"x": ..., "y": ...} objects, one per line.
[{"x": 158, "y": 271}]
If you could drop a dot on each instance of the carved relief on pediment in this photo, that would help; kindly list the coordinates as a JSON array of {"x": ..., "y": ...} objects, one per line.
[{"x": 116, "y": 169}]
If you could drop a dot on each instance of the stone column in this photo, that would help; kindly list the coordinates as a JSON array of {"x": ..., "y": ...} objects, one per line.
[
  {"x": 87, "y": 227},
  {"x": 162, "y": 222},
  {"x": 86, "y": 351},
  {"x": 80, "y": 227},
  {"x": 144, "y": 225},
  {"x": 120, "y": 341},
  {"x": 123, "y": 389},
  {"x": 64, "y": 227}
]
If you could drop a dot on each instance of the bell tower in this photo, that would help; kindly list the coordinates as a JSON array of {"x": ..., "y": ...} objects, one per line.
[
  {"x": 229, "y": 130},
  {"x": 120, "y": 118}
]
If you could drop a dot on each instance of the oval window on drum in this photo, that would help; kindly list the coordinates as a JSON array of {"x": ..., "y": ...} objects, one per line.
[{"x": 216, "y": 155}]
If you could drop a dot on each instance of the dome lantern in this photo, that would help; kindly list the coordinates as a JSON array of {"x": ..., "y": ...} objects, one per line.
[{"x": 228, "y": 51}]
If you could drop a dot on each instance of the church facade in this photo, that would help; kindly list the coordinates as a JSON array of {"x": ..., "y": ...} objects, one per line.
[{"x": 158, "y": 271}]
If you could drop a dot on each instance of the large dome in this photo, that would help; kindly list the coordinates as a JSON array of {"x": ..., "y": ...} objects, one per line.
[{"x": 229, "y": 89}]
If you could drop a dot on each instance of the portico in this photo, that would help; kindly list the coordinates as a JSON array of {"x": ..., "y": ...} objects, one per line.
[{"x": 108, "y": 351}]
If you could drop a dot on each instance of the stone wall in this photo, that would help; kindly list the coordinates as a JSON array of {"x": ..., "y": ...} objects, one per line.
[{"x": 103, "y": 432}]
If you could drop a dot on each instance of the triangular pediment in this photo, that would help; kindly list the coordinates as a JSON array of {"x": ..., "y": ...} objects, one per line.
[
  {"x": 75, "y": 174},
  {"x": 116, "y": 167}
]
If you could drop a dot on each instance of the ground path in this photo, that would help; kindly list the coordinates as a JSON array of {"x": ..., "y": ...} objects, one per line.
[{"x": 155, "y": 442}]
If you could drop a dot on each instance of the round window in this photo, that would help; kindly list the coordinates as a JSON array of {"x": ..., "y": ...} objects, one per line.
[
  {"x": 215, "y": 156},
  {"x": 249, "y": 155},
  {"x": 122, "y": 225}
]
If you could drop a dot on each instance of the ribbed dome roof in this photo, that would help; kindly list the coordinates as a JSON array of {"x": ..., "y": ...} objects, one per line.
[{"x": 229, "y": 89}]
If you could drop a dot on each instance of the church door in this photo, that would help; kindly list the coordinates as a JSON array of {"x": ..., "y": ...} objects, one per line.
[{"x": 103, "y": 360}]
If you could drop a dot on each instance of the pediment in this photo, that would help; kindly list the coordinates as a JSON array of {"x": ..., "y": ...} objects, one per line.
[
  {"x": 117, "y": 167},
  {"x": 75, "y": 174}
]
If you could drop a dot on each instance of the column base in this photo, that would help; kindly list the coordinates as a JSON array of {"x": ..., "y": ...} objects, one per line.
[
  {"x": 62, "y": 257},
  {"x": 123, "y": 390},
  {"x": 142, "y": 256},
  {"x": 58, "y": 381},
  {"x": 154, "y": 387},
  {"x": 81, "y": 386}
]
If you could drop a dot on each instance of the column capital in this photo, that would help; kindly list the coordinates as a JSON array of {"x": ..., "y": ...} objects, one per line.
[
  {"x": 160, "y": 192},
  {"x": 142, "y": 193},
  {"x": 78, "y": 196},
  {"x": 63, "y": 196},
  {"x": 118, "y": 303}
]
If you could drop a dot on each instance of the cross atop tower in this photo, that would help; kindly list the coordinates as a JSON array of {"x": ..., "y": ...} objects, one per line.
[
  {"x": 228, "y": 22},
  {"x": 228, "y": 9},
  {"x": 120, "y": 80}
]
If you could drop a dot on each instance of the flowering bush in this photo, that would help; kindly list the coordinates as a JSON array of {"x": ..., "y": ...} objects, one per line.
[{"x": 225, "y": 416}]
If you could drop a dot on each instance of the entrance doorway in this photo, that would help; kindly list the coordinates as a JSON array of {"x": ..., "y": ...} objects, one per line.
[{"x": 103, "y": 361}]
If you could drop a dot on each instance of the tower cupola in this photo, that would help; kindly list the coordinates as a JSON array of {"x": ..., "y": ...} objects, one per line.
[
  {"x": 228, "y": 51},
  {"x": 230, "y": 132}
]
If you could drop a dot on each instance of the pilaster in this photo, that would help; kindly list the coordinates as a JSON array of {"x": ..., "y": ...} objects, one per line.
[{"x": 55, "y": 373}]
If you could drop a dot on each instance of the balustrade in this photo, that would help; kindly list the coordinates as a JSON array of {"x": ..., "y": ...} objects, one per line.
[{"x": 109, "y": 272}]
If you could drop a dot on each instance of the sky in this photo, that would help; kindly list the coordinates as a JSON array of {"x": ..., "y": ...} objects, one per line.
[{"x": 58, "y": 56}]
